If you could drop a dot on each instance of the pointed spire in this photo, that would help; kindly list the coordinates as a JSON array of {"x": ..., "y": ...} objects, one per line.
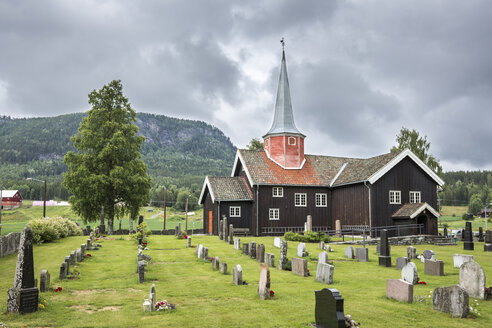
[{"x": 283, "y": 120}]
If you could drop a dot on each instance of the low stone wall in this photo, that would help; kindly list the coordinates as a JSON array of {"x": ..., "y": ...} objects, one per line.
[
  {"x": 9, "y": 243},
  {"x": 154, "y": 232},
  {"x": 404, "y": 240}
]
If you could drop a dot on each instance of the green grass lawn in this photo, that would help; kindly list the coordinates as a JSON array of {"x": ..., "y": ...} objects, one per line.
[
  {"x": 107, "y": 293},
  {"x": 15, "y": 220}
]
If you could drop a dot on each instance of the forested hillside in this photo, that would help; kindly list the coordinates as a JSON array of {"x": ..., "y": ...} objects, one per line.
[{"x": 178, "y": 152}]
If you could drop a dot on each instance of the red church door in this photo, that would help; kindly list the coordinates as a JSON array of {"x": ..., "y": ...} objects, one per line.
[{"x": 210, "y": 222}]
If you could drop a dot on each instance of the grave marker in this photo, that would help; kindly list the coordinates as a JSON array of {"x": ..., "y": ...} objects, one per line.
[
  {"x": 411, "y": 253},
  {"x": 221, "y": 230},
  {"x": 472, "y": 279},
  {"x": 276, "y": 242},
  {"x": 453, "y": 300},
  {"x": 468, "y": 238},
  {"x": 44, "y": 281},
  {"x": 79, "y": 255},
  {"x": 231, "y": 234},
  {"x": 72, "y": 258},
  {"x": 282, "y": 261},
  {"x": 152, "y": 297},
  {"x": 409, "y": 273},
  {"x": 349, "y": 252},
  {"x": 252, "y": 250},
  {"x": 362, "y": 254},
  {"x": 63, "y": 271},
  {"x": 237, "y": 243},
  {"x": 480, "y": 234},
  {"x": 299, "y": 266},
  {"x": 270, "y": 259},
  {"x": 434, "y": 268},
  {"x": 309, "y": 223},
  {"x": 188, "y": 242},
  {"x": 223, "y": 268},
  {"x": 323, "y": 257},
  {"x": 246, "y": 249},
  {"x": 141, "y": 272},
  {"x": 324, "y": 273},
  {"x": 301, "y": 250},
  {"x": 264, "y": 283},
  {"x": 459, "y": 259},
  {"x": 385, "y": 255},
  {"x": 260, "y": 253},
  {"x": 401, "y": 262},
  {"x": 225, "y": 233},
  {"x": 399, "y": 290},
  {"x": 82, "y": 250},
  {"x": 215, "y": 263},
  {"x": 237, "y": 275},
  {"x": 67, "y": 261},
  {"x": 329, "y": 308}
]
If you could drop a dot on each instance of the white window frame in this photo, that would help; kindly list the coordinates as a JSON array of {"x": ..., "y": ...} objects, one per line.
[
  {"x": 395, "y": 196},
  {"x": 274, "y": 214},
  {"x": 235, "y": 211},
  {"x": 278, "y": 191},
  {"x": 300, "y": 199},
  {"x": 293, "y": 139},
  {"x": 415, "y": 197},
  {"x": 321, "y": 200}
]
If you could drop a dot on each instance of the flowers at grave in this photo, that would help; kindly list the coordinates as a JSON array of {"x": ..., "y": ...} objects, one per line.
[
  {"x": 488, "y": 293},
  {"x": 42, "y": 303},
  {"x": 164, "y": 305},
  {"x": 422, "y": 283},
  {"x": 88, "y": 255},
  {"x": 56, "y": 290},
  {"x": 474, "y": 309},
  {"x": 144, "y": 243},
  {"x": 185, "y": 236},
  {"x": 272, "y": 293}
]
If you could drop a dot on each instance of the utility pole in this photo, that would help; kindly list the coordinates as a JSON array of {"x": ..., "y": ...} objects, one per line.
[
  {"x": 44, "y": 203},
  {"x": 1, "y": 207},
  {"x": 165, "y": 195},
  {"x": 186, "y": 215}
]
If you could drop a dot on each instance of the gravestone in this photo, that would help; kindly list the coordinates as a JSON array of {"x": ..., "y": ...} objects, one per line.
[
  {"x": 299, "y": 266},
  {"x": 329, "y": 308},
  {"x": 140, "y": 239},
  {"x": 468, "y": 244},
  {"x": 188, "y": 242},
  {"x": 44, "y": 281},
  {"x": 459, "y": 259},
  {"x": 411, "y": 253},
  {"x": 225, "y": 233},
  {"x": 362, "y": 254},
  {"x": 349, "y": 252},
  {"x": 141, "y": 272},
  {"x": 223, "y": 268},
  {"x": 63, "y": 271},
  {"x": 282, "y": 261},
  {"x": 401, "y": 262},
  {"x": 140, "y": 255},
  {"x": 79, "y": 255},
  {"x": 472, "y": 279},
  {"x": 385, "y": 255},
  {"x": 89, "y": 244},
  {"x": 399, "y": 290},
  {"x": 205, "y": 253},
  {"x": 309, "y": 223},
  {"x": 237, "y": 243},
  {"x": 480, "y": 234},
  {"x": 409, "y": 273},
  {"x": 321, "y": 245},
  {"x": 323, "y": 257},
  {"x": 252, "y": 250},
  {"x": 276, "y": 242},
  {"x": 487, "y": 247},
  {"x": 91, "y": 236},
  {"x": 231, "y": 234},
  {"x": 445, "y": 232},
  {"x": 67, "y": 261},
  {"x": 221, "y": 230},
  {"x": 378, "y": 248},
  {"x": 434, "y": 268},
  {"x": 215, "y": 263},
  {"x": 270, "y": 259},
  {"x": 260, "y": 253},
  {"x": 152, "y": 297},
  {"x": 264, "y": 283},
  {"x": 453, "y": 300},
  {"x": 301, "y": 250},
  {"x": 199, "y": 251},
  {"x": 96, "y": 231},
  {"x": 324, "y": 273},
  {"x": 338, "y": 228},
  {"x": 82, "y": 250},
  {"x": 23, "y": 297},
  {"x": 246, "y": 249},
  {"x": 428, "y": 254},
  {"x": 72, "y": 258},
  {"x": 237, "y": 275}
]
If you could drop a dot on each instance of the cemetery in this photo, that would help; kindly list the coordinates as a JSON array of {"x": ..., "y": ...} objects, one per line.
[{"x": 208, "y": 282}]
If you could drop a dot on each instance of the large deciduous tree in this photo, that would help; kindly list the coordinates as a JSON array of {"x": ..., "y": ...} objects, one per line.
[
  {"x": 107, "y": 169},
  {"x": 419, "y": 146}
]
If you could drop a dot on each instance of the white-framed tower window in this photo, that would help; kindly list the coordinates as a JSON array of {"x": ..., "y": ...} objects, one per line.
[
  {"x": 415, "y": 197},
  {"x": 234, "y": 211},
  {"x": 278, "y": 192},
  {"x": 291, "y": 141},
  {"x": 395, "y": 197},
  {"x": 300, "y": 199},
  {"x": 274, "y": 214},
  {"x": 321, "y": 200}
]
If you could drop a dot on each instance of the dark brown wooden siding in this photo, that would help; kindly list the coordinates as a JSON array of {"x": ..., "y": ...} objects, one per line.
[
  {"x": 239, "y": 222},
  {"x": 350, "y": 205},
  {"x": 209, "y": 206},
  {"x": 406, "y": 176},
  {"x": 289, "y": 214}
]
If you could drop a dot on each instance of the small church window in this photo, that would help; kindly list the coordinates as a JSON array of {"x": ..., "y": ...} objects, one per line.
[
  {"x": 300, "y": 199},
  {"x": 292, "y": 141},
  {"x": 274, "y": 214},
  {"x": 395, "y": 197},
  {"x": 320, "y": 200},
  {"x": 278, "y": 191},
  {"x": 235, "y": 211},
  {"x": 414, "y": 196}
]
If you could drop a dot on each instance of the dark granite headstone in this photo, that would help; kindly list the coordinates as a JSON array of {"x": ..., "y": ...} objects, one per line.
[
  {"x": 385, "y": 256},
  {"x": 225, "y": 233},
  {"x": 329, "y": 308},
  {"x": 468, "y": 237},
  {"x": 67, "y": 261},
  {"x": 246, "y": 249},
  {"x": 63, "y": 271},
  {"x": 231, "y": 234},
  {"x": 488, "y": 237},
  {"x": 140, "y": 240},
  {"x": 480, "y": 234},
  {"x": 141, "y": 272},
  {"x": 140, "y": 219},
  {"x": 23, "y": 297},
  {"x": 445, "y": 232},
  {"x": 252, "y": 250}
]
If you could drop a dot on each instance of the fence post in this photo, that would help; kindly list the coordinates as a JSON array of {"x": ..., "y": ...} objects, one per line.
[{"x": 398, "y": 227}]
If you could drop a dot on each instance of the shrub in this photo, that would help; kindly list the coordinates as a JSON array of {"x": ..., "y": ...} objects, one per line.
[
  {"x": 308, "y": 237},
  {"x": 45, "y": 230}
]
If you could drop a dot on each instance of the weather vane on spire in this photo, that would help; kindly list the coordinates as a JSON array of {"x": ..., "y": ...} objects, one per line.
[{"x": 283, "y": 43}]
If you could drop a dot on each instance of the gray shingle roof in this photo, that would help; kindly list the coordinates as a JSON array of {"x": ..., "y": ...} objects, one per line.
[{"x": 229, "y": 188}]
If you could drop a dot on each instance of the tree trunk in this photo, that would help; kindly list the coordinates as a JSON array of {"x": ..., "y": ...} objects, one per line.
[
  {"x": 110, "y": 226},
  {"x": 120, "y": 226},
  {"x": 131, "y": 226}
]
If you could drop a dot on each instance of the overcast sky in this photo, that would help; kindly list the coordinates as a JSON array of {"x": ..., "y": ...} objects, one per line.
[{"x": 358, "y": 70}]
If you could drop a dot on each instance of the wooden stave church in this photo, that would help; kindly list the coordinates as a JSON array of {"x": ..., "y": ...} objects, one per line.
[{"x": 274, "y": 190}]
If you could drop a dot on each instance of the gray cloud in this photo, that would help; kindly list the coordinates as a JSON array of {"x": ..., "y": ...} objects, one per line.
[{"x": 359, "y": 71}]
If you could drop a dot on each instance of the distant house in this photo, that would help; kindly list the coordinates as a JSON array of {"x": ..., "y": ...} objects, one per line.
[
  {"x": 484, "y": 212},
  {"x": 11, "y": 199},
  {"x": 274, "y": 190}
]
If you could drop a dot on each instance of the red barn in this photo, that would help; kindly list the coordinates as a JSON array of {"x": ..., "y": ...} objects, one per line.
[{"x": 11, "y": 199}]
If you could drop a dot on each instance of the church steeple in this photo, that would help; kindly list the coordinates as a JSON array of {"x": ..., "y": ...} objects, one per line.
[{"x": 284, "y": 143}]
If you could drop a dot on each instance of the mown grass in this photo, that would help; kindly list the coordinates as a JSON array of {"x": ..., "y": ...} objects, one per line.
[
  {"x": 15, "y": 220},
  {"x": 108, "y": 286}
]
